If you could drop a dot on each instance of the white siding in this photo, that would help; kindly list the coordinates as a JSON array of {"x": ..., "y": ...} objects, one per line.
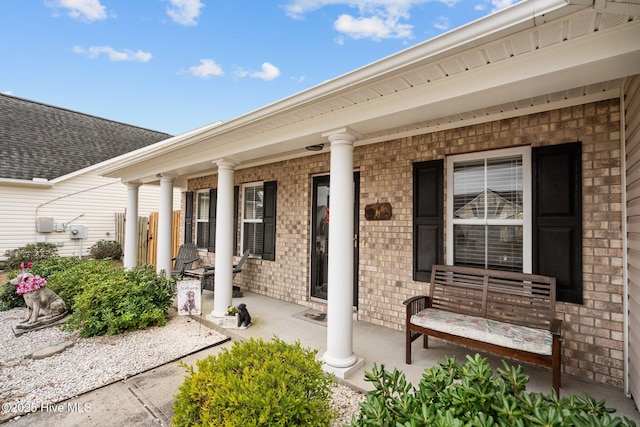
[
  {"x": 85, "y": 199},
  {"x": 632, "y": 120}
]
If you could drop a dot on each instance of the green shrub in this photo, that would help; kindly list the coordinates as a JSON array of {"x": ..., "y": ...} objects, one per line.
[
  {"x": 256, "y": 383},
  {"x": 65, "y": 276},
  {"x": 8, "y": 297},
  {"x": 32, "y": 252},
  {"x": 68, "y": 277},
  {"x": 455, "y": 395},
  {"x": 115, "y": 300},
  {"x": 106, "y": 249}
]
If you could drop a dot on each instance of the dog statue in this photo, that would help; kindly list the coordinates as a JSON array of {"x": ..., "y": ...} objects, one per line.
[
  {"x": 43, "y": 305},
  {"x": 244, "y": 317}
]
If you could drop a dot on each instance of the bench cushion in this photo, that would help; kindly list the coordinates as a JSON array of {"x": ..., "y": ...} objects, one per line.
[{"x": 486, "y": 330}]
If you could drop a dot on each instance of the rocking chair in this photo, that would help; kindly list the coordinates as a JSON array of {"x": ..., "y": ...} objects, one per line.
[
  {"x": 207, "y": 275},
  {"x": 187, "y": 254}
]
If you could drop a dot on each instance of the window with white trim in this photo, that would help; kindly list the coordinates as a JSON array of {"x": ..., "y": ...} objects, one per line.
[
  {"x": 202, "y": 219},
  {"x": 252, "y": 215},
  {"x": 489, "y": 210}
]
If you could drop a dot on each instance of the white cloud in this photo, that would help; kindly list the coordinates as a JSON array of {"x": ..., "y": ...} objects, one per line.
[
  {"x": 185, "y": 12},
  {"x": 207, "y": 68},
  {"x": 268, "y": 72},
  {"x": 502, "y": 4},
  {"x": 240, "y": 72},
  {"x": 376, "y": 19},
  {"x": 7, "y": 93},
  {"x": 114, "y": 55},
  {"x": 82, "y": 10},
  {"x": 375, "y": 27},
  {"x": 442, "y": 23}
]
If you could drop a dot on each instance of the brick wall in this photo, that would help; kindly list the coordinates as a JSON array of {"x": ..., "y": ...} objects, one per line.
[{"x": 593, "y": 344}]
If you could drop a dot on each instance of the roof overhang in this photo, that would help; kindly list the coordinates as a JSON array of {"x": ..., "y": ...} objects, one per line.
[
  {"x": 536, "y": 55},
  {"x": 35, "y": 183}
]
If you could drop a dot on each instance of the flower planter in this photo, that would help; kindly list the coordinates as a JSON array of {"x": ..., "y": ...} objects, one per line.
[{"x": 231, "y": 322}]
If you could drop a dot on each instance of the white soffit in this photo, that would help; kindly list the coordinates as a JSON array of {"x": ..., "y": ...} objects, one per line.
[
  {"x": 408, "y": 94},
  {"x": 524, "y": 43}
]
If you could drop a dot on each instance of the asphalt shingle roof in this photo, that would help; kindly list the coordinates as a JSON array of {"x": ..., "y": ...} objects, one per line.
[{"x": 43, "y": 141}]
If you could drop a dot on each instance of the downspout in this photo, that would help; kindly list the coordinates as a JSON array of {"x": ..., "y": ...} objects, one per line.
[{"x": 625, "y": 269}]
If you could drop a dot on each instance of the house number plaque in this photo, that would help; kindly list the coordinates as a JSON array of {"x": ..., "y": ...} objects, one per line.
[{"x": 377, "y": 212}]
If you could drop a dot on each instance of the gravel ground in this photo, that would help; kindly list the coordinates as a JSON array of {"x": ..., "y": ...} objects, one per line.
[{"x": 96, "y": 361}]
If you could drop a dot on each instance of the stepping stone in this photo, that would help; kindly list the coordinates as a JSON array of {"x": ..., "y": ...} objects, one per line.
[{"x": 49, "y": 350}]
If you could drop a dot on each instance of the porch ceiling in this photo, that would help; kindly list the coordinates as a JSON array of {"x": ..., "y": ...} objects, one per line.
[{"x": 536, "y": 60}]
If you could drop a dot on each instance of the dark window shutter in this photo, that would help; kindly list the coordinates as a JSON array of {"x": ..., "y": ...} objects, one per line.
[
  {"x": 428, "y": 220},
  {"x": 236, "y": 202},
  {"x": 557, "y": 217},
  {"x": 188, "y": 217},
  {"x": 269, "y": 221},
  {"x": 213, "y": 204}
]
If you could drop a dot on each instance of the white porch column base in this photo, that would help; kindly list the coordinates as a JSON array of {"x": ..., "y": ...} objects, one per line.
[
  {"x": 131, "y": 227},
  {"x": 343, "y": 373},
  {"x": 339, "y": 356},
  {"x": 223, "y": 285},
  {"x": 165, "y": 218},
  {"x": 213, "y": 317}
]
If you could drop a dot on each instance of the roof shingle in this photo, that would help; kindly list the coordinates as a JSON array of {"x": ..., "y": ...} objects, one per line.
[{"x": 43, "y": 141}]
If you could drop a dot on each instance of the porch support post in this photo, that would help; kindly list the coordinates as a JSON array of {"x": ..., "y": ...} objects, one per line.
[
  {"x": 223, "y": 285},
  {"x": 131, "y": 227},
  {"x": 165, "y": 217},
  {"x": 339, "y": 357}
]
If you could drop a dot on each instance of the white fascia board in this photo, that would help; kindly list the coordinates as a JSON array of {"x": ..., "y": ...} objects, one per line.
[
  {"x": 108, "y": 167},
  {"x": 527, "y": 14},
  {"x": 25, "y": 183},
  {"x": 608, "y": 55},
  {"x": 518, "y": 17}
]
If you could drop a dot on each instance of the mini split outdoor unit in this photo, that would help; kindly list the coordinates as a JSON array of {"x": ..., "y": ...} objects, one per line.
[{"x": 77, "y": 232}]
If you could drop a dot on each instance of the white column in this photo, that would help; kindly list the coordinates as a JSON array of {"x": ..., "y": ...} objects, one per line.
[
  {"x": 339, "y": 354},
  {"x": 131, "y": 226},
  {"x": 165, "y": 217},
  {"x": 223, "y": 288}
]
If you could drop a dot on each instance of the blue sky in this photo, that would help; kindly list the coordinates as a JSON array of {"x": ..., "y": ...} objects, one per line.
[{"x": 176, "y": 65}]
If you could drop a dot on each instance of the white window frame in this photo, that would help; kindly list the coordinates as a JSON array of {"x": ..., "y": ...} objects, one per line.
[
  {"x": 245, "y": 220},
  {"x": 202, "y": 220},
  {"x": 526, "y": 222}
]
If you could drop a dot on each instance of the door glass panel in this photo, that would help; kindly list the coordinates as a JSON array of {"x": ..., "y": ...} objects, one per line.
[{"x": 320, "y": 248}]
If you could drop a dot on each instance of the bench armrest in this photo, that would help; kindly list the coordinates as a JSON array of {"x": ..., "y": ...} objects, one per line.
[
  {"x": 417, "y": 304},
  {"x": 556, "y": 327}
]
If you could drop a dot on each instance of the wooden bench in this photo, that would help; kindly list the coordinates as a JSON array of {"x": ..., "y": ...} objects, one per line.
[{"x": 505, "y": 313}]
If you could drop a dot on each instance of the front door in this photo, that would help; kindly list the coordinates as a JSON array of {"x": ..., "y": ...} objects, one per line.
[{"x": 320, "y": 218}]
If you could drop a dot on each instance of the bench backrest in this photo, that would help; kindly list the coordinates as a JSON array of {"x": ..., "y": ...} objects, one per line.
[{"x": 519, "y": 298}]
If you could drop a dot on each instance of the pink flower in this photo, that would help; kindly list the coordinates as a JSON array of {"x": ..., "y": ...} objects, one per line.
[
  {"x": 30, "y": 284},
  {"x": 27, "y": 282}
]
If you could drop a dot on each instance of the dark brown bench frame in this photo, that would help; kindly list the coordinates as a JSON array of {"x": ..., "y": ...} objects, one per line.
[{"x": 517, "y": 298}]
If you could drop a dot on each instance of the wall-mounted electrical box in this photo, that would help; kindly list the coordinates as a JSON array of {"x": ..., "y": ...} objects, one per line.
[
  {"x": 44, "y": 224},
  {"x": 77, "y": 232}
]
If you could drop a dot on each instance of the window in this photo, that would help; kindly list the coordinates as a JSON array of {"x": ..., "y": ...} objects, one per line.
[
  {"x": 489, "y": 210},
  {"x": 514, "y": 209},
  {"x": 252, "y": 214},
  {"x": 202, "y": 219}
]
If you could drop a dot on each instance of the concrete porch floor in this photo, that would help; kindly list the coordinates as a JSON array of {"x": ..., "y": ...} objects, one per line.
[{"x": 384, "y": 346}]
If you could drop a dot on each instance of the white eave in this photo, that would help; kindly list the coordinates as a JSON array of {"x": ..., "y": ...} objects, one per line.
[
  {"x": 34, "y": 183},
  {"x": 535, "y": 55}
]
